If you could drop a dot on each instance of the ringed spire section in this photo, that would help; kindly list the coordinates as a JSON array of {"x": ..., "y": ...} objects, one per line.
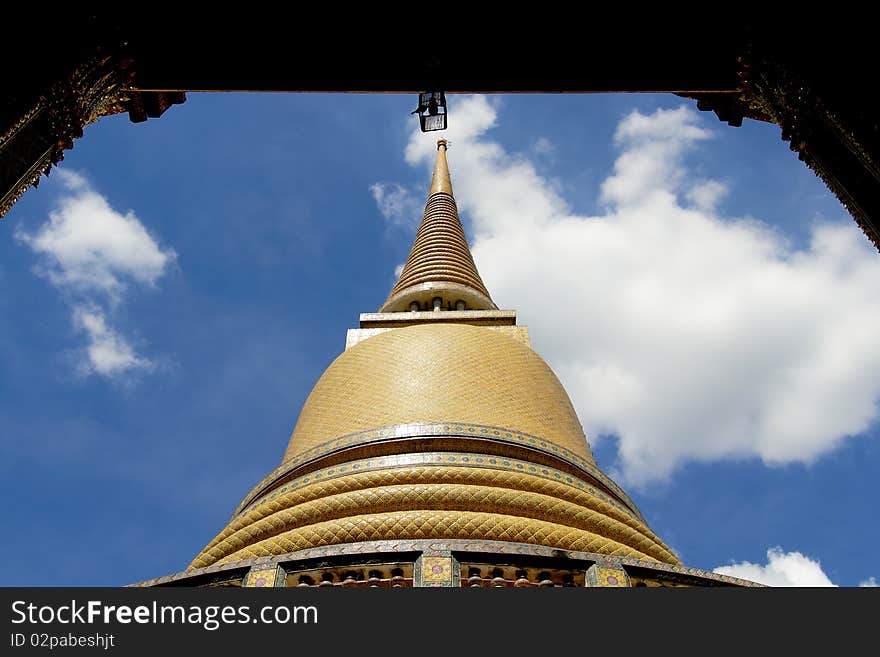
[{"x": 440, "y": 272}]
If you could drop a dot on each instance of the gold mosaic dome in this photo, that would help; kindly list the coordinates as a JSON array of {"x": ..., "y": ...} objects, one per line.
[
  {"x": 433, "y": 373},
  {"x": 437, "y": 422}
]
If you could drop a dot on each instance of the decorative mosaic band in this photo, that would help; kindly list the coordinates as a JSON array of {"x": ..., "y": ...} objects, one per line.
[
  {"x": 368, "y": 549},
  {"x": 432, "y": 430}
]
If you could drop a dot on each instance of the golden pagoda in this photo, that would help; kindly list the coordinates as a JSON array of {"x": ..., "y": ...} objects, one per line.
[{"x": 438, "y": 450}]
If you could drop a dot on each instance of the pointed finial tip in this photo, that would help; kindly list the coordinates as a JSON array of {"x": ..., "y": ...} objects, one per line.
[{"x": 443, "y": 143}]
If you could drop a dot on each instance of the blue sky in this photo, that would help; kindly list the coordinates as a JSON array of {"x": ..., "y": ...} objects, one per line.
[{"x": 174, "y": 290}]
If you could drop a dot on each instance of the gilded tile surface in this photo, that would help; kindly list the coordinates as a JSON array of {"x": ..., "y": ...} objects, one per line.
[{"x": 431, "y": 373}]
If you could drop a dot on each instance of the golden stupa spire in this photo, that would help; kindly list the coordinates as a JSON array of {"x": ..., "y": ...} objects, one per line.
[
  {"x": 436, "y": 429},
  {"x": 440, "y": 181},
  {"x": 440, "y": 272}
]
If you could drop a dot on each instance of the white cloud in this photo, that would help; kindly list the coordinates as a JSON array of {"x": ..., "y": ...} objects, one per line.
[
  {"x": 705, "y": 195},
  {"x": 781, "y": 569},
  {"x": 397, "y": 204},
  {"x": 92, "y": 252},
  {"x": 90, "y": 247},
  {"x": 108, "y": 353},
  {"x": 690, "y": 336},
  {"x": 646, "y": 172},
  {"x": 871, "y": 582},
  {"x": 543, "y": 146}
]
